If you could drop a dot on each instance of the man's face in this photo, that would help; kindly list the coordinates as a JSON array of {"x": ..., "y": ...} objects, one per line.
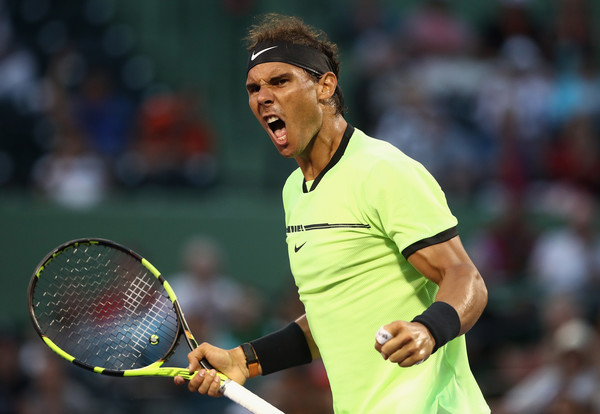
[{"x": 284, "y": 99}]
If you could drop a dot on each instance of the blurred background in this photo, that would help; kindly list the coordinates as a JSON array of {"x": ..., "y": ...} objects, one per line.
[{"x": 129, "y": 120}]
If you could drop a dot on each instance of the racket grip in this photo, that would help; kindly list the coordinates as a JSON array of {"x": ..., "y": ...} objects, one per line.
[
  {"x": 247, "y": 399},
  {"x": 206, "y": 365}
]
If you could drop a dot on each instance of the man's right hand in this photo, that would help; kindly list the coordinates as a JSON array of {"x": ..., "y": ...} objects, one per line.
[{"x": 230, "y": 362}]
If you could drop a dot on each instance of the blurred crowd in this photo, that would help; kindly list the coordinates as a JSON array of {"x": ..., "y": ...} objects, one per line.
[
  {"x": 497, "y": 105},
  {"x": 504, "y": 111},
  {"x": 81, "y": 112}
]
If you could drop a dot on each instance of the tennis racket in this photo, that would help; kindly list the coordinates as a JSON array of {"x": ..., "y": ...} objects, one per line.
[{"x": 104, "y": 308}]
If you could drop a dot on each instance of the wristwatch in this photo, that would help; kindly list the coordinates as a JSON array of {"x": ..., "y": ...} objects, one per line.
[{"x": 251, "y": 359}]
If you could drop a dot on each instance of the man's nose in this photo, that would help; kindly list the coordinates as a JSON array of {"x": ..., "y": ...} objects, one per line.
[{"x": 265, "y": 96}]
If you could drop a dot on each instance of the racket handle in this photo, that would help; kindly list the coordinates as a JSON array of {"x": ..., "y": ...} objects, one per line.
[
  {"x": 206, "y": 365},
  {"x": 247, "y": 399}
]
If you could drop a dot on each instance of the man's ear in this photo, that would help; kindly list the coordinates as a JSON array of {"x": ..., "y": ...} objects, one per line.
[{"x": 327, "y": 86}]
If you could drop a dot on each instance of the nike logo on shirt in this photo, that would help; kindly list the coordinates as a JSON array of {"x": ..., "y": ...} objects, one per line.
[
  {"x": 296, "y": 247},
  {"x": 257, "y": 54}
]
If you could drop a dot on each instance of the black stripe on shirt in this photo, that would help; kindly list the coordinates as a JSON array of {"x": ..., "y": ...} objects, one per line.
[
  {"x": 430, "y": 241},
  {"x": 334, "y": 160},
  {"x": 324, "y": 226}
]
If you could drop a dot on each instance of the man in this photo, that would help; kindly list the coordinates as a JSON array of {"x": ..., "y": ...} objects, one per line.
[{"x": 372, "y": 244}]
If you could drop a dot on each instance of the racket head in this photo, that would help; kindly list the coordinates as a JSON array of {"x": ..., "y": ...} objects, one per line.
[{"x": 105, "y": 308}]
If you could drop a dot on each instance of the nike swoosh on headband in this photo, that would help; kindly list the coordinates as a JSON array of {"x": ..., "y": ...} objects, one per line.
[{"x": 257, "y": 54}]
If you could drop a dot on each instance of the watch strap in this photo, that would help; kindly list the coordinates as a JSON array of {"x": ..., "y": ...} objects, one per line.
[{"x": 251, "y": 359}]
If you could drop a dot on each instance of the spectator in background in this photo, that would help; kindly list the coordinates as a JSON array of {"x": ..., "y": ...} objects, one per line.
[
  {"x": 19, "y": 104},
  {"x": 433, "y": 29},
  {"x": 567, "y": 382},
  {"x": 417, "y": 125},
  {"x": 566, "y": 260},
  {"x": 13, "y": 381},
  {"x": 576, "y": 91},
  {"x": 103, "y": 113},
  {"x": 574, "y": 157},
  {"x": 173, "y": 146},
  {"x": 216, "y": 306},
  {"x": 18, "y": 68},
  {"x": 53, "y": 390},
  {"x": 511, "y": 106},
  {"x": 514, "y": 18},
  {"x": 575, "y": 40},
  {"x": 71, "y": 172},
  {"x": 419, "y": 98},
  {"x": 502, "y": 248},
  {"x": 375, "y": 55}
]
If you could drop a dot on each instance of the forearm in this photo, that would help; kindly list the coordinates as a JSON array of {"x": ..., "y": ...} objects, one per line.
[{"x": 463, "y": 288}]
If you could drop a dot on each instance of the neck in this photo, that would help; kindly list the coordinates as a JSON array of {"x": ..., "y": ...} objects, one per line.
[{"x": 324, "y": 145}]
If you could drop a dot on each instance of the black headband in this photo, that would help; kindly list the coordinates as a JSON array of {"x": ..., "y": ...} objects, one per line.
[{"x": 305, "y": 57}]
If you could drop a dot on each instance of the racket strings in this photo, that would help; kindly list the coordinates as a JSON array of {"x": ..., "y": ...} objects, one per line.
[{"x": 102, "y": 306}]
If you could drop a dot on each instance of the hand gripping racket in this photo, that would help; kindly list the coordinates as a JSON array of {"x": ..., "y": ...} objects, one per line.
[{"x": 104, "y": 308}]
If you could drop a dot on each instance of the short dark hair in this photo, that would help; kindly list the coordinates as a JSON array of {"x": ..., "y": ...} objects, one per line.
[{"x": 277, "y": 27}]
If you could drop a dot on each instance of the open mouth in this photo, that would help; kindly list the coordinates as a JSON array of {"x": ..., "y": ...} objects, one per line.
[{"x": 277, "y": 126}]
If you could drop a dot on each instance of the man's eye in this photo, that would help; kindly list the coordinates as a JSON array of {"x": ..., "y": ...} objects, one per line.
[{"x": 282, "y": 81}]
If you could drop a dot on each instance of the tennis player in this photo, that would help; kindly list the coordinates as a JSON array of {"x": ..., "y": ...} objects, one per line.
[{"x": 388, "y": 289}]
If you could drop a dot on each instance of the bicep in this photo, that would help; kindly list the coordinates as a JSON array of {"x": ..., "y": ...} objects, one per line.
[{"x": 436, "y": 260}]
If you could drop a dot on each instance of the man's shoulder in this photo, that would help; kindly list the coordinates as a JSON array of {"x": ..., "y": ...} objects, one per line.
[
  {"x": 378, "y": 153},
  {"x": 293, "y": 182}
]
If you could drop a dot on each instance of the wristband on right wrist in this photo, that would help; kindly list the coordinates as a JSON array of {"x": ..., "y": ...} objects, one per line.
[{"x": 442, "y": 321}]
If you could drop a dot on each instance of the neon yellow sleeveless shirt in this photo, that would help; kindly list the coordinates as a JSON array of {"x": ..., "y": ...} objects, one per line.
[{"x": 346, "y": 236}]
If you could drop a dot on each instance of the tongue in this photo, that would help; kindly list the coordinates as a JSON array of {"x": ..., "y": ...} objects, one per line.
[{"x": 280, "y": 133}]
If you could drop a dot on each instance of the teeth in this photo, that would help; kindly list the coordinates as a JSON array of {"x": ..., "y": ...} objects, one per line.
[{"x": 272, "y": 118}]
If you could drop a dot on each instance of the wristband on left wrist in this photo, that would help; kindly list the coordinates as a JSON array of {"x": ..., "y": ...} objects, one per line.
[{"x": 442, "y": 321}]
